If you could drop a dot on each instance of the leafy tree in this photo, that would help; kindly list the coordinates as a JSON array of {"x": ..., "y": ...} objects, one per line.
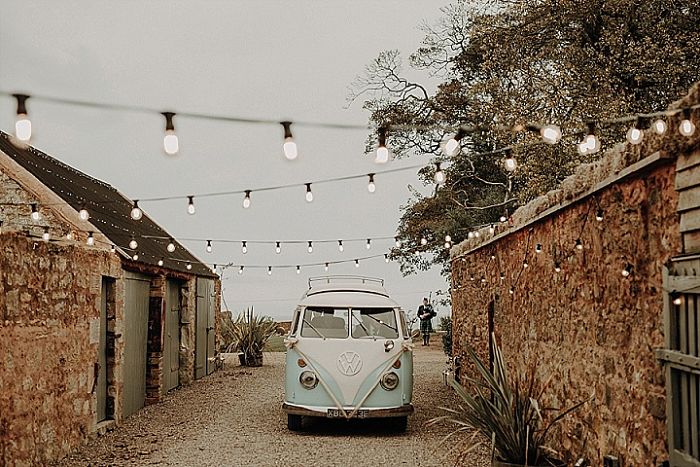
[{"x": 509, "y": 63}]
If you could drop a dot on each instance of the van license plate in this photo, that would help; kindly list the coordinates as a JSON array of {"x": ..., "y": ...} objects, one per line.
[{"x": 337, "y": 413}]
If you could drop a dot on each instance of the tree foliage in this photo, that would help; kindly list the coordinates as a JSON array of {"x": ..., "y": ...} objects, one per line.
[{"x": 504, "y": 63}]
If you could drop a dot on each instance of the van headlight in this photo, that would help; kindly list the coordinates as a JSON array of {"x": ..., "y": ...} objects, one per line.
[
  {"x": 308, "y": 379},
  {"x": 390, "y": 381}
]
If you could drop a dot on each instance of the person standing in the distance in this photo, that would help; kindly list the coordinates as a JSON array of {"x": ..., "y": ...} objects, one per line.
[{"x": 426, "y": 315}]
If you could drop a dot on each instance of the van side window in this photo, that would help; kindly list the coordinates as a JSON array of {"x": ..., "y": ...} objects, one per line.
[
  {"x": 374, "y": 322},
  {"x": 295, "y": 322},
  {"x": 404, "y": 327},
  {"x": 325, "y": 323}
]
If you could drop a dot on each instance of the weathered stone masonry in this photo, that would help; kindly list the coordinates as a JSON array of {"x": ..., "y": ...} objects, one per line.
[{"x": 590, "y": 328}]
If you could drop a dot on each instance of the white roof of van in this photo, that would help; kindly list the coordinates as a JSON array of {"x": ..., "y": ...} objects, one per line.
[{"x": 345, "y": 291}]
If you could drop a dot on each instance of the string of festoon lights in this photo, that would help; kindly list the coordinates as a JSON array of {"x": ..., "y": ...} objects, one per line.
[
  {"x": 133, "y": 252},
  {"x": 549, "y": 133},
  {"x": 559, "y": 256}
]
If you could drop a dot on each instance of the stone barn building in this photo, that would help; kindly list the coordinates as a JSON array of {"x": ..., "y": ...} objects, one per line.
[
  {"x": 91, "y": 329},
  {"x": 598, "y": 284}
]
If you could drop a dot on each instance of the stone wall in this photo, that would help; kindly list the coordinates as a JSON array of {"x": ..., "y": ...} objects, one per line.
[
  {"x": 588, "y": 327},
  {"x": 47, "y": 356}
]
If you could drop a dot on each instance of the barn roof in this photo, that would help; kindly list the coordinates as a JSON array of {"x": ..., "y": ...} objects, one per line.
[{"x": 109, "y": 209}]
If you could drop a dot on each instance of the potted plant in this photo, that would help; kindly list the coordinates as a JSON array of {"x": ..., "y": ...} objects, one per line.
[
  {"x": 505, "y": 414},
  {"x": 250, "y": 335}
]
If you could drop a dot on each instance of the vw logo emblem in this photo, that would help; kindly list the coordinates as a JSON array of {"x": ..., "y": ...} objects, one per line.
[{"x": 349, "y": 363}]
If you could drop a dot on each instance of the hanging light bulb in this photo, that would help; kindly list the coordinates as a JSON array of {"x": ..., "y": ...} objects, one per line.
[
  {"x": 599, "y": 215},
  {"x": 160, "y": 262},
  {"x": 278, "y": 248},
  {"x": 591, "y": 143},
  {"x": 368, "y": 245},
  {"x": 371, "y": 187},
  {"x": 310, "y": 249},
  {"x": 190, "y": 205},
  {"x": 90, "y": 239},
  {"x": 133, "y": 244},
  {"x": 246, "y": 199},
  {"x": 189, "y": 266},
  {"x": 340, "y": 246},
  {"x": 240, "y": 270},
  {"x": 660, "y": 126},
  {"x": 244, "y": 247},
  {"x": 83, "y": 213},
  {"x": 502, "y": 276},
  {"x": 35, "y": 212},
  {"x": 325, "y": 267},
  {"x": 579, "y": 244},
  {"x": 209, "y": 247},
  {"x": 309, "y": 194},
  {"x": 289, "y": 146},
  {"x": 557, "y": 266},
  {"x": 676, "y": 298},
  {"x": 503, "y": 218},
  {"x": 171, "y": 144},
  {"x": 269, "y": 270},
  {"x": 627, "y": 270},
  {"x": 298, "y": 270},
  {"x": 171, "y": 246},
  {"x": 525, "y": 264},
  {"x": 69, "y": 235},
  {"x": 483, "y": 280},
  {"x": 439, "y": 174},
  {"x": 687, "y": 127},
  {"x": 477, "y": 234},
  {"x": 470, "y": 235},
  {"x": 45, "y": 236},
  {"x": 136, "y": 212},
  {"x": 493, "y": 257},
  {"x": 382, "y": 152},
  {"x": 635, "y": 133},
  {"x": 23, "y": 126},
  {"x": 492, "y": 229},
  {"x": 136, "y": 256},
  {"x": 448, "y": 245},
  {"x": 538, "y": 248},
  {"x": 448, "y": 238},
  {"x": 213, "y": 269},
  {"x": 423, "y": 241},
  {"x": 511, "y": 291},
  {"x": 509, "y": 162},
  {"x": 112, "y": 248},
  {"x": 386, "y": 258},
  {"x": 551, "y": 134},
  {"x": 453, "y": 145},
  {"x": 357, "y": 263}
]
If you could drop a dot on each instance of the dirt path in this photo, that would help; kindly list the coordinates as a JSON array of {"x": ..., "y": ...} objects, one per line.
[{"x": 234, "y": 418}]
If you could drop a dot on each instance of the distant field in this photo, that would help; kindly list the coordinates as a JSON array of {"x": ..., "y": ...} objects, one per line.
[{"x": 275, "y": 344}]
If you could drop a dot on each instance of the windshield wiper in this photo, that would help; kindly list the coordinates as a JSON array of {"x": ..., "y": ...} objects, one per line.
[
  {"x": 361, "y": 324},
  {"x": 315, "y": 330},
  {"x": 382, "y": 322}
]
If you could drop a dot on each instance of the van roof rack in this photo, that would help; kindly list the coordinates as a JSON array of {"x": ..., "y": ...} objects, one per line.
[{"x": 345, "y": 279}]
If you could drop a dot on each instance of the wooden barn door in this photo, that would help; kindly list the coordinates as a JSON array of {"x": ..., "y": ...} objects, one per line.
[
  {"x": 136, "y": 299},
  {"x": 171, "y": 344}
]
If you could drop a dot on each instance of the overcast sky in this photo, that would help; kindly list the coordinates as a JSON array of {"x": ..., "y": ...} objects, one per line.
[{"x": 259, "y": 59}]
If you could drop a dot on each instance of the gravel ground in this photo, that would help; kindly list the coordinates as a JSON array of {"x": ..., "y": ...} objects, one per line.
[{"x": 234, "y": 418}]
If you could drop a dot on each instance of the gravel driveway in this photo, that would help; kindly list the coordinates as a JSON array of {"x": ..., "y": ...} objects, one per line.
[{"x": 234, "y": 418}]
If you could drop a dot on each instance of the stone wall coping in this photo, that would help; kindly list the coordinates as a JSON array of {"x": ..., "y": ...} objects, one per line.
[{"x": 639, "y": 167}]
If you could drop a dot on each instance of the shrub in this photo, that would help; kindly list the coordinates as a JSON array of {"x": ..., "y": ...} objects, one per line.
[{"x": 446, "y": 325}]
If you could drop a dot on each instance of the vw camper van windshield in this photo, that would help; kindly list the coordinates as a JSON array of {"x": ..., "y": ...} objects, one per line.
[
  {"x": 323, "y": 322},
  {"x": 374, "y": 322}
]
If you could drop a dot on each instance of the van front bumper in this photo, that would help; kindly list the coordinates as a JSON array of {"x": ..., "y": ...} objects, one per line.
[{"x": 403, "y": 411}]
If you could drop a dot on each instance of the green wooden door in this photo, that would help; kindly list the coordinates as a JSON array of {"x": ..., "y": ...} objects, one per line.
[
  {"x": 101, "y": 390},
  {"x": 171, "y": 344},
  {"x": 136, "y": 298},
  {"x": 204, "y": 339}
]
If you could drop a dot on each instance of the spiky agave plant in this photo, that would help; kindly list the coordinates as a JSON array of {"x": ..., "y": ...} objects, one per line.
[
  {"x": 505, "y": 413},
  {"x": 251, "y": 332}
]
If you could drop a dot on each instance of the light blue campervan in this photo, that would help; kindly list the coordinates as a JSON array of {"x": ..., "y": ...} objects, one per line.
[{"x": 349, "y": 354}]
